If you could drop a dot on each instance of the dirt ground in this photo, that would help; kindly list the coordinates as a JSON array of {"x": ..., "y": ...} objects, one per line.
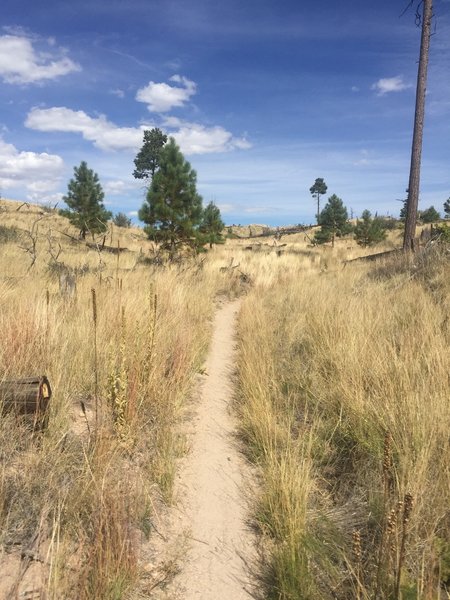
[{"x": 208, "y": 526}]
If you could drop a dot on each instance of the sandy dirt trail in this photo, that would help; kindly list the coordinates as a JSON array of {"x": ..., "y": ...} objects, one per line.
[{"x": 213, "y": 484}]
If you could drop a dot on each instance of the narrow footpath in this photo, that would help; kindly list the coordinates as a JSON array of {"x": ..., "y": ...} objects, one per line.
[{"x": 213, "y": 485}]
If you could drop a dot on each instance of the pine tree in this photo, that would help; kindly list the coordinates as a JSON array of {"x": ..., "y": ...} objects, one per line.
[
  {"x": 419, "y": 118},
  {"x": 447, "y": 209},
  {"x": 173, "y": 208},
  {"x": 122, "y": 220},
  {"x": 85, "y": 201},
  {"x": 147, "y": 159},
  {"x": 369, "y": 231},
  {"x": 319, "y": 188},
  {"x": 212, "y": 225},
  {"x": 333, "y": 221},
  {"x": 429, "y": 215}
]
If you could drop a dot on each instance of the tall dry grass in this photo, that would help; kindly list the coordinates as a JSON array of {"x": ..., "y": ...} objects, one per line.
[
  {"x": 121, "y": 352},
  {"x": 344, "y": 405}
]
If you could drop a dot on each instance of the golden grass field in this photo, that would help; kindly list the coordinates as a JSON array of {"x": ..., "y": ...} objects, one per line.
[{"x": 343, "y": 401}]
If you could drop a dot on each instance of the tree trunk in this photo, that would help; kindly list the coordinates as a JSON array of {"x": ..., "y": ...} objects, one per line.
[
  {"x": 30, "y": 397},
  {"x": 416, "y": 151},
  {"x": 318, "y": 208}
]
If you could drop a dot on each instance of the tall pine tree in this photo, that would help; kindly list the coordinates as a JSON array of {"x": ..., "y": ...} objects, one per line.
[
  {"x": 173, "y": 208},
  {"x": 319, "y": 188},
  {"x": 85, "y": 201}
]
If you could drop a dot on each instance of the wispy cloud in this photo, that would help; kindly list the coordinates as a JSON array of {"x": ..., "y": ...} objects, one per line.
[
  {"x": 117, "y": 92},
  {"x": 21, "y": 63},
  {"x": 162, "y": 97},
  {"x": 117, "y": 187},
  {"x": 390, "y": 84}
]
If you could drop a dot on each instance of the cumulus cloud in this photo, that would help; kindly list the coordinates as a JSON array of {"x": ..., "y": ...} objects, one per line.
[
  {"x": 390, "y": 84},
  {"x": 193, "y": 138},
  {"x": 162, "y": 97},
  {"x": 38, "y": 174},
  {"x": 21, "y": 63},
  {"x": 98, "y": 130}
]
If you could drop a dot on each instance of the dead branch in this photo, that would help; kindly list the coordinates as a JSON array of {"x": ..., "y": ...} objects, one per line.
[{"x": 53, "y": 250}]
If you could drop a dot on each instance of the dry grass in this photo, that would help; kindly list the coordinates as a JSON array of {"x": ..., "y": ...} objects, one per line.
[
  {"x": 331, "y": 362},
  {"x": 80, "y": 497}
]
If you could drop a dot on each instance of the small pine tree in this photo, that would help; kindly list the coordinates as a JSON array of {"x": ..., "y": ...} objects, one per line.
[
  {"x": 85, "y": 201},
  {"x": 369, "y": 231},
  {"x": 333, "y": 221},
  {"x": 212, "y": 225},
  {"x": 429, "y": 215},
  {"x": 447, "y": 208},
  {"x": 147, "y": 159},
  {"x": 121, "y": 220},
  {"x": 173, "y": 208},
  {"x": 403, "y": 211}
]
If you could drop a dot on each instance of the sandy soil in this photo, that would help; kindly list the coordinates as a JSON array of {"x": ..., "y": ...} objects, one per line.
[{"x": 213, "y": 487}]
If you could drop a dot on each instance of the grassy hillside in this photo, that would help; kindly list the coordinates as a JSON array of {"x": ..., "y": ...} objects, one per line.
[
  {"x": 344, "y": 405},
  {"x": 343, "y": 402},
  {"x": 120, "y": 348}
]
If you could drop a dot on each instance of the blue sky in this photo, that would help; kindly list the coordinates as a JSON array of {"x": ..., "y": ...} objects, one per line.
[{"x": 262, "y": 96}]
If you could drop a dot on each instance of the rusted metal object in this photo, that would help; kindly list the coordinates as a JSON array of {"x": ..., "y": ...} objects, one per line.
[{"x": 27, "y": 397}]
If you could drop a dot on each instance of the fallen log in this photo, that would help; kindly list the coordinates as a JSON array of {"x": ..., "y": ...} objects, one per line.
[
  {"x": 104, "y": 248},
  {"x": 27, "y": 397},
  {"x": 377, "y": 256}
]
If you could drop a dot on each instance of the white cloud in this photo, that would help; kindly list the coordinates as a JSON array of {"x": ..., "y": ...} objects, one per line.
[
  {"x": 390, "y": 84},
  {"x": 38, "y": 174},
  {"x": 101, "y": 132},
  {"x": 162, "y": 97},
  {"x": 117, "y": 187},
  {"x": 21, "y": 63},
  {"x": 355, "y": 88},
  {"x": 193, "y": 138},
  {"x": 364, "y": 160},
  {"x": 117, "y": 92},
  {"x": 226, "y": 208}
]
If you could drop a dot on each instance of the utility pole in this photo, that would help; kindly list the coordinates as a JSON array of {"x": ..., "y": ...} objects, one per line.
[{"x": 419, "y": 116}]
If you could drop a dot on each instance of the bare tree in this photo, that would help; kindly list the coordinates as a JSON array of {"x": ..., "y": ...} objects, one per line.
[
  {"x": 32, "y": 237},
  {"x": 419, "y": 116}
]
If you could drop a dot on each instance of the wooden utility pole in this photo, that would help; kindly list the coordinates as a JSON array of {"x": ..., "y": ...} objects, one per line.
[{"x": 419, "y": 116}]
